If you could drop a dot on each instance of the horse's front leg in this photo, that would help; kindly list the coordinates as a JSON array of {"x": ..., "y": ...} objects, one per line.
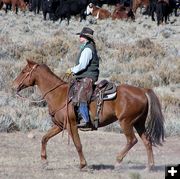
[
  {"x": 51, "y": 133},
  {"x": 78, "y": 145}
]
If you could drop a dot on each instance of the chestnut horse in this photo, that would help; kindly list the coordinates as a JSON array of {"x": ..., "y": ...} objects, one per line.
[
  {"x": 15, "y": 4},
  {"x": 133, "y": 107}
]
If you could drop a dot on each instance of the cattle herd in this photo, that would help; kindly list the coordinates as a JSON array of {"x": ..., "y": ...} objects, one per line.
[{"x": 123, "y": 9}]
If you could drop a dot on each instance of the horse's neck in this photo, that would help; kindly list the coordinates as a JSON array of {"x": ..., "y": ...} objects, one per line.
[
  {"x": 53, "y": 90},
  {"x": 46, "y": 82}
]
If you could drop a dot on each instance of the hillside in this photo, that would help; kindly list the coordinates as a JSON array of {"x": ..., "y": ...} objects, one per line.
[{"x": 137, "y": 53}]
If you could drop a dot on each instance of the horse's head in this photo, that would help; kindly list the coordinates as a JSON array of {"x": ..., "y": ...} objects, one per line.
[{"x": 26, "y": 77}]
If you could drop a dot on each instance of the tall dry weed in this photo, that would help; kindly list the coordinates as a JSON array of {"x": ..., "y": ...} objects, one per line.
[{"x": 127, "y": 54}]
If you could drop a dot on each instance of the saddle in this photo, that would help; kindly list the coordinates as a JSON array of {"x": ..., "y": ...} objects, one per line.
[{"x": 104, "y": 90}]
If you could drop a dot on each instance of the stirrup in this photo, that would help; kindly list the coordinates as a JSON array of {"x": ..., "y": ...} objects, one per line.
[{"x": 96, "y": 123}]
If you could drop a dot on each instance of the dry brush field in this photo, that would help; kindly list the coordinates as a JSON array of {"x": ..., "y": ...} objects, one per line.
[{"x": 137, "y": 53}]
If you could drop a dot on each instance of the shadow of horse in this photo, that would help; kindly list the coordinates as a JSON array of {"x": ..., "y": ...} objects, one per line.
[
  {"x": 98, "y": 167},
  {"x": 101, "y": 167},
  {"x": 142, "y": 167},
  {"x": 139, "y": 167}
]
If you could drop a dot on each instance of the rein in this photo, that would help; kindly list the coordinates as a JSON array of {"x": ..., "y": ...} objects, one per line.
[
  {"x": 41, "y": 100},
  {"x": 33, "y": 101},
  {"x": 52, "y": 89},
  {"x": 28, "y": 74},
  {"x": 52, "y": 113}
]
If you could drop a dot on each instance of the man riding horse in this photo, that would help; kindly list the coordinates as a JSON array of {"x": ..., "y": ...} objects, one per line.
[{"x": 86, "y": 73}]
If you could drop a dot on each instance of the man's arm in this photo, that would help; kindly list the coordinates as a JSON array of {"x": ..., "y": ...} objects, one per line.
[{"x": 84, "y": 60}]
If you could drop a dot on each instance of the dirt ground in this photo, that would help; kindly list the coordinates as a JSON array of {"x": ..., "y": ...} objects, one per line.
[{"x": 20, "y": 157}]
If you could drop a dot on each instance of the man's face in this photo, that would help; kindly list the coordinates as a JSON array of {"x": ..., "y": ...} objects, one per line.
[{"x": 82, "y": 39}]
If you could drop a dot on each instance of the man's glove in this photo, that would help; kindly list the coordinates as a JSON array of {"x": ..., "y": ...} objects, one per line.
[{"x": 68, "y": 72}]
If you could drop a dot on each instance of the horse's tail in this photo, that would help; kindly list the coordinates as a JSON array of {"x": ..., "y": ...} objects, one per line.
[{"x": 155, "y": 119}]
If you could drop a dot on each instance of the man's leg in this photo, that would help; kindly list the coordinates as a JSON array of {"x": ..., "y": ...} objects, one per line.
[{"x": 84, "y": 111}]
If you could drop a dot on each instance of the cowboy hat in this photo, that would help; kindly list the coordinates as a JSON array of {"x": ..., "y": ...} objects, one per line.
[{"x": 87, "y": 33}]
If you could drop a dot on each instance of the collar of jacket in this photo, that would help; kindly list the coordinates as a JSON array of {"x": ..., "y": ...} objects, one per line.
[{"x": 83, "y": 45}]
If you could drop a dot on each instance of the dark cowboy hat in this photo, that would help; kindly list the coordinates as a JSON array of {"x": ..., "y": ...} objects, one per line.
[{"x": 87, "y": 33}]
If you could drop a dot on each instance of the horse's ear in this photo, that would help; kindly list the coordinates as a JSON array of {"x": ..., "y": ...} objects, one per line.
[{"x": 30, "y": 62}]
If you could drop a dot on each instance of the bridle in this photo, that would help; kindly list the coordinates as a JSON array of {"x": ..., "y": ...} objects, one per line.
[
  {"x": 52, "y": 113},
  {"x": 29, "y": 74}
]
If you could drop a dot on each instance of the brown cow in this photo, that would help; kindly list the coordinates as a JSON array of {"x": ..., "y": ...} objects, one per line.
[
  {"x": 15, "y": 4},
  {"x": 139, "y": 3},
  {"x": 100, "y": 13},
  {"x": 122, "y": 12}
]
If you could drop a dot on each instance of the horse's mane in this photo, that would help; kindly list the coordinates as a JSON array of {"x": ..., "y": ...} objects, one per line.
[{"x": 46, "y": 68}]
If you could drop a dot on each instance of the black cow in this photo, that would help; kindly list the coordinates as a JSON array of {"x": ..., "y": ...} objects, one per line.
[
  {"x": 152, "y": 8},
  {"x": 111, "y": 2},
  {"x": 162, "y": 11},
  {"x": 50, "y": 6},
  {"x": 175, "y": 5},
  {"x": 71, "y": 7},
  {"x": 108, "y": 2},
  {"x": 162, "y": 8},
  {"x": 35, "y": 6}
]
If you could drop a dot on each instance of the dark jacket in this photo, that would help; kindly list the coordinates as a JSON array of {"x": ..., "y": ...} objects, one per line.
[{"x": 92, "y": 70}]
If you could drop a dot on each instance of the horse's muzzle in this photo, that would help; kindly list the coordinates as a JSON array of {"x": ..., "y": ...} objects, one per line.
[{"x": 16, "y": 87}]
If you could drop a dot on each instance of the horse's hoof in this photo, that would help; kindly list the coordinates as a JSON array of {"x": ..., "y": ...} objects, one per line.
[
  {"x": 82, "y": 165},
  {"x": 117, "y": 166},
  {"x": 44, "y": 164},
  {"x": 149, "y": 168},
  {"x": 119, "y": 159}
]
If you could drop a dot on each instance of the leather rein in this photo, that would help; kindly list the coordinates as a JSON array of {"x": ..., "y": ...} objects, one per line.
[
  {"x": 52, "y": 113},
  {"x": 28, "y": 74}
]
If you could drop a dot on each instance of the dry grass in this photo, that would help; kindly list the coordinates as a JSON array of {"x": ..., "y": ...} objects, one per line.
[
  {"x": 134, "y": 175},
  {"x": 128, "y": 55}
]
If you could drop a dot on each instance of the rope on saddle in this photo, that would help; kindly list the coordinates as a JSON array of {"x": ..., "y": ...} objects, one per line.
[{"x": 99, "y": 104}]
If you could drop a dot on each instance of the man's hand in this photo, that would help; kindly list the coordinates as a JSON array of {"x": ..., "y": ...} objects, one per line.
[{"x": 68, "y": 72}]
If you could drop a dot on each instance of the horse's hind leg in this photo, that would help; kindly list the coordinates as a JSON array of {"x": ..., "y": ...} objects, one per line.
[
  {"x": 130, "y": 136},
  {"x": 140, "y": 128},
  {"x": 51, "y": 132}
]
